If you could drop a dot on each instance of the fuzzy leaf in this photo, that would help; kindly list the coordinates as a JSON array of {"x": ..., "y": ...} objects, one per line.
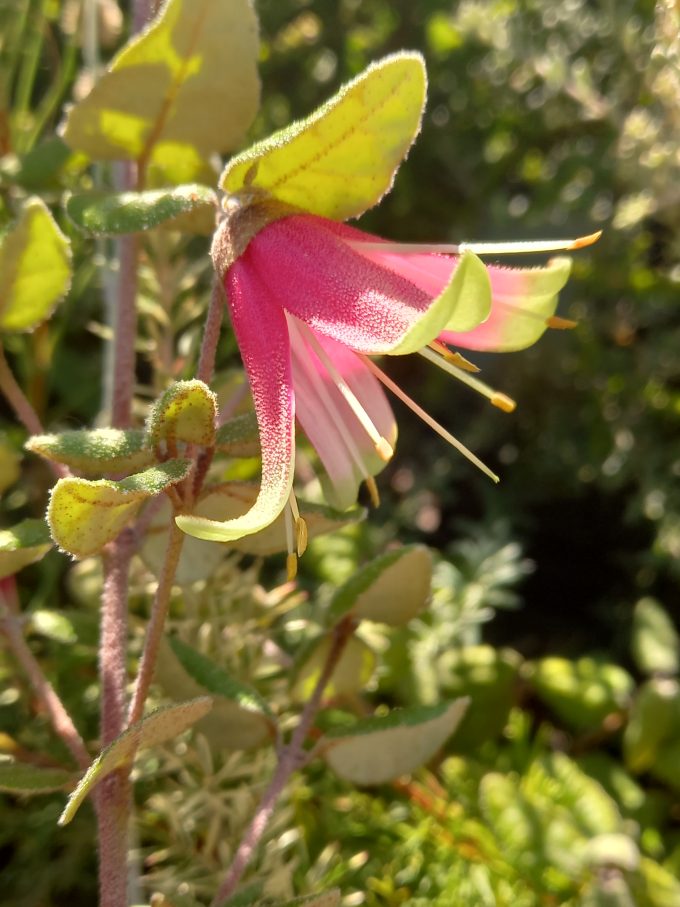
[
  {"x": 95, "y": 452},
  {"x": 233, "y": 499},
  {"x": 185, "y": 413},
  {"x": 161, "y": 725},
  {"x": 353, "y": 671},
  {"x": 20, "y": 778},
  {"x": 110, "y": 214},
  {"x": 655, "y": 641},
  {"x": 35, "y": 269},
  {"x": 187, "y": 86},
  {"x": 84, "y": 515},
  {"x": 378, "y": 750},
  {"x": 342, "y": 159},
  {"x": 240, "y": 718},
  {"x": 23, "y": 544},
  {"x": 239, "y": 437},
  {"x": 391, "y": 589}
]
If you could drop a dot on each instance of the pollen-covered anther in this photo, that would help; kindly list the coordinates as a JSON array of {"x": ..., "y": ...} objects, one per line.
[
  {"x": 301, "y": 536},
  {"x": 453, "y": 357},
  {"x": 561, "y": 324},
  {"x": 291, "y": 566},
  {"x": 502, "y": 401}
]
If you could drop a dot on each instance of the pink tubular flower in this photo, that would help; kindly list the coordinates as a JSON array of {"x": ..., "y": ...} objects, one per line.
[{"x": 311, "y": 299}]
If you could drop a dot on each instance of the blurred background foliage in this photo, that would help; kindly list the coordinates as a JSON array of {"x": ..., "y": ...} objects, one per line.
[{"x": 544, "y": 118}]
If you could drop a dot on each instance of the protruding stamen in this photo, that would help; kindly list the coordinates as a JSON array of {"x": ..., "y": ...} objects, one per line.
[
  {"x": 373, "y": 491},
  {"x": 452, "y": 356},
  {"x": 291, "y": 566},
  {"x": 382, "y": 446},
  {"x": 296, "y": 533},
  {"x": 482, "y": 248},
  {"x": 301, "y": 536},
  {"x": 502, "y": 401},
  {"x": 561, "y": 324},
  {"x": 428, "y": 420}
]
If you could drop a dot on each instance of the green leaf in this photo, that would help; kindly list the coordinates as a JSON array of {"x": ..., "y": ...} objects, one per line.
[
  {"x": 97, "y": 451},
  {"x": 35, "y": 269},
  {"x": 54, "y": 625},
  {"x": 352, "y": 672},
  {"x": 186, "y": 86},
  {"x": 110, "y": 214},
  {"x": 161, "y": 725},
  {"x": 378, "y": 750},
  {"x": 240, "y": 436},
  {"x": 342, "y": 159},
  {"x": 185, "y": 413},
  {"x": 655, "y": 641},
  {"x": 233, "y": 499},
  {"x": 654, "y": 719},
  {"x": 84, "y": 515},
  {"x": 23, "y": 544},
  {"x": 392, "y": 589},
  {"x": 20, "y": 778},
  {"x": 240, "y": 718}
]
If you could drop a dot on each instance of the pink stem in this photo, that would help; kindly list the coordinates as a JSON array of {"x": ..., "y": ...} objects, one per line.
[
  {"x": 291, "y": 758},
  {"x": 211, "y": 333},
  {"x": 125, "y": 328}
]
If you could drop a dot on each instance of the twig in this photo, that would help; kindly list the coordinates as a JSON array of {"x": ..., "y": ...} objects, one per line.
[
  {"x": 60, "y": 719},
  {"x": 211, "y": 332},
  {"x": 291, "y": 758},
  {"x": 125, "y": 328},
  {"x": 154, "y": 630}
]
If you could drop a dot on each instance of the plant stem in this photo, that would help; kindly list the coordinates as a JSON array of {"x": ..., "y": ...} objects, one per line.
[
  {"x": 211, "y": 332},
  {"x": 113, "y": 638},
  {"x": 124, "y": 332},
  {"x": 154, "y": 630},
  {"x": 291, "y": 758},
  {"x": 43, "y": 689}
]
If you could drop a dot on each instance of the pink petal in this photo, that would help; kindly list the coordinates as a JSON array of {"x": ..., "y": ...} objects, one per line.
[{"x": 320, "y": 279}]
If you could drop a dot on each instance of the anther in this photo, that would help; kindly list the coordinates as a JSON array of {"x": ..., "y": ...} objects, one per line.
[
  {"x": 453, "y": 357},
  {"x": 502, "y": 401},
  {"x": 301, "y": 536},
  {"x": 560, "y": 324},
  {"x": 291, "y": 566}
]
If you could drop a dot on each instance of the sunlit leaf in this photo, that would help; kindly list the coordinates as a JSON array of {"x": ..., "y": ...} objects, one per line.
[
  {"x": 654, "y": 719},
  {"x": 378, "y": 750},
  {"x": 35, "y": 269},
  {"x": 655, "y": 641},
  {"x": 352, "y": 672},
  {"x": 23, "y": 544},
  {"x": 187, "y": 83},
  {"x": 95, "y": 452},
  {"x": 163, "y": 724},
  {"x": 84, "y": 515},
  {"x": 24, "y": 779},
  {"x": 131, "y": 212},
  {"x": 342, "y": 159},
  {"x": 391, "y": 589},
  {"x": 184, "y": 413}
]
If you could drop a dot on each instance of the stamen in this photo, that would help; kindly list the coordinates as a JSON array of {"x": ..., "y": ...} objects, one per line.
[
  {"x": 372, "y": 488},
  {"x": 502, "y": 401},
  {"x": 291, "y": 567},
  {"x": 434, "y": 425},
  {"x": 561, "y": 324},
  {"x": 289, "y": 523},
  {"x": 382, "y": 445},
  {"x": 299, "y": 527},
  {"x": 481, "y": 248},
  {"x": 453, "y": 356}
]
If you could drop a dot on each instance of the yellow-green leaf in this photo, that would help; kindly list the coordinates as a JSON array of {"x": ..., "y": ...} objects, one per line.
[
  {"x": 35, "y": 269},
  {"x": 24, "y": 779},
  {"x": 352, "y": 672},
  {"x": 84, "y": 515},
  {"x": 342, "y": 159},
  {"x": 161, "y": 725},
  {"x": 185, "y": 412},
  {"x": 187, "y": 85},
  {"x": 95, "y": 452},
  {"x": 23, "y": 544}
]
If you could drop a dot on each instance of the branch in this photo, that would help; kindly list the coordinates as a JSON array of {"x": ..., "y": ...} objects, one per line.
[{"x": 211, "y": 332}]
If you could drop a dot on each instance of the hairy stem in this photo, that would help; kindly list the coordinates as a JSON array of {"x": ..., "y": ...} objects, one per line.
[
  {"x": 60, "y": 719},
  {"x": 211, "y": 333},
  {"x": 113, "y": 635},
  {"x": 291, "y": 757},
  {"x": 154, "y": 630},
  {"x": 124, "y": 332}
]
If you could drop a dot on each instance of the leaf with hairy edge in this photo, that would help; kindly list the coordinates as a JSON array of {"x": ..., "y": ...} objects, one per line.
[
  {"x": 161, "y": 725},
  {"x": 84, "y": 515},
  {"x": 341, "y": 160},
  {"x": 378, "y": 750},
  {"x": 353, "y": 671},
  {"x": 23, "y": 544},
  {"x": 24, "y": 779},
  {"x": 240, "y": 718},
  {"x": 185, "y": 412},
  {"x": 95, "y": 452},
  {"x": 392, "y": 589},
  {"x": 35, "y": 269},
  {"x": 187, "y": 85},
  {"x": 239, "y": 437},
  {"x": 232, "y": 499},
  {"x": 110, "y": 214}
]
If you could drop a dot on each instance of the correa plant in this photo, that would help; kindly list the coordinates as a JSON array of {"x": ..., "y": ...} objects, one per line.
[{"x": 311, "y": 302}]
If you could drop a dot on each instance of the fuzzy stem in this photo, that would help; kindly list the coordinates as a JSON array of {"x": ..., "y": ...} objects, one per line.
[
  {"x": 211, "y": 333},
  {"x": 61, "y": 721},
  {"x": 291, "y": 758},
  {"x": 113, "y": 639},
  {"x": 154, "y": 630},
  {"x": 125, "y": 328}
]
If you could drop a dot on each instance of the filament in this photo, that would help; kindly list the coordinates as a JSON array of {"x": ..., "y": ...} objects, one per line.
[
  {"x": 502, "y": 401},
  {"x": 482, "y": 248}
]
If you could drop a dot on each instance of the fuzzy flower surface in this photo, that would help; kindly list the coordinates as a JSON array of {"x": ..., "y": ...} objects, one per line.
[{"x": 311, "y": 299}]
